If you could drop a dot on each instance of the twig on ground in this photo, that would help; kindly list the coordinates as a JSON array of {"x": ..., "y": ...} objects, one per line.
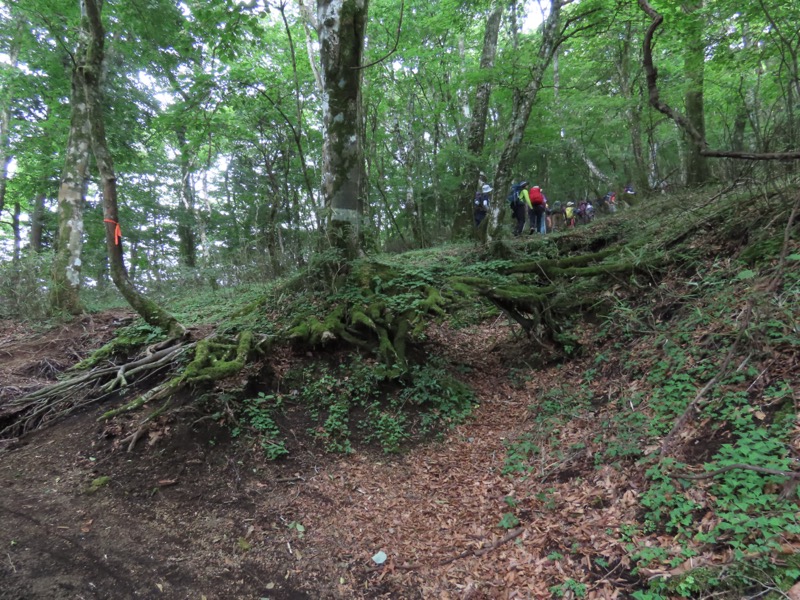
[
  {"x": 135, "y": 437},
  {"x": 725, "y": 469},
  {"x": 288, "y": 479}
]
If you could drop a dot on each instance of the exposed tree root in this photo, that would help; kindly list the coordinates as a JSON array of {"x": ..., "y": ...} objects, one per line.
[
  {"x": 384, "y": 319},
  {"x": 213, "y": 359}
]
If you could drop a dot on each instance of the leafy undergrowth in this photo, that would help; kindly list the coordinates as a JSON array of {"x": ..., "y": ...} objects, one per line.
[
  {"x": 689, "y": 397},
  {"x": 648, "y": 449}
]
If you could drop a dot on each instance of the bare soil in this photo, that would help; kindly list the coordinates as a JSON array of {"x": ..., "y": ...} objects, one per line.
[{"x": 191, "y": 513}]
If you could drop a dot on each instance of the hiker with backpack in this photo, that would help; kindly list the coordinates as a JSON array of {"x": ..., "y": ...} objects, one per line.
[
  {"x": 583, "y": 212},
  {"x": 519, "y": 202},
  {"x": 569, "y": 214},
  {"x": 481, "y": 204},
  {"x": 538, "y": 208},
  {"x": 611, "y": 202},
  {"x": 556, "y": 216}
]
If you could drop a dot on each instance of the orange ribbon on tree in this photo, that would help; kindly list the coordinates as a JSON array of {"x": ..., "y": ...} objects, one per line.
[{"x": 117, "y": 230}]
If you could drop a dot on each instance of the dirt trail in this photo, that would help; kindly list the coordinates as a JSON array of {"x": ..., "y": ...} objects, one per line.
[{"x": 190, "y": 515}]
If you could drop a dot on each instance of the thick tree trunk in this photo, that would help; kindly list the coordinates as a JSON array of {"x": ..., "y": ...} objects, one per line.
[
  {"x": 6, "y": 98},
  {"x": 342, "y": 25},
  {"x": 37, "y": 223},
  {"x": 149, "y": 310},
  {"x": 66, "y": 273},
  {"x": 521, "y": 111},
  {"x": 476, "y": 132},
  {"x": 632, "y": 93}
]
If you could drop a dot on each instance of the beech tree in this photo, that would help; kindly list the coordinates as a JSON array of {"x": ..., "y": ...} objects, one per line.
[
  {"x": 66, "y": 273},
  {"x": 342, "y": 29}
]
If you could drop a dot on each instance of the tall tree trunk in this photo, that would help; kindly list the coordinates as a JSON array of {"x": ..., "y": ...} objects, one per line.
[
  {"x": 187, "y": 246},
  {"x": 66, "y": 272},
  {"x": 16, "y": 230},
  {"x": 633, "y": 94},
  {"x": 476, "y": 132},
  {"x": 735, "y": 168},
  {"x": 694, "y": 58},
  {"x": 406, "y": 155},
  {"x": 342, "y": 26},
  {"x": 37, "y": 223},
  {"x": 6, "y": 98},
  {"x": 150, "y": 311},
  {"x": 521, "y": 111}
]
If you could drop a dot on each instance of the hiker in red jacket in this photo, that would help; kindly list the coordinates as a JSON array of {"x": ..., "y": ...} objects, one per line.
[{"x": 538, "y": 210}]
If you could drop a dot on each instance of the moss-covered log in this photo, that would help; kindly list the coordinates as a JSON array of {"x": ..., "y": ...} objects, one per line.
[{"x": 578, "y": 260}]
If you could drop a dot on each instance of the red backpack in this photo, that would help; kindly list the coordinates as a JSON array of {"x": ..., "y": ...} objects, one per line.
[{"x": 536, "y": 195}]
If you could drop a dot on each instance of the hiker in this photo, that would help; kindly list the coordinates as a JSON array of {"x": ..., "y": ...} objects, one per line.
[
  {"x": 588, "y": 212},
  {"x": 538, "y": 208},
  {"x": 556, "y": 216},
  {"x": 611, "y": 202},
  {"x": 520, "y": 202},
  {"x": 569, "y": 214},
  {"x": 583, "y": 211},
  {"x": 481, "y": 205}
]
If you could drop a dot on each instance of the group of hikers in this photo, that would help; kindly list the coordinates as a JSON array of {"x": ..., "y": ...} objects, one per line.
[{"x": 531, "y": 205}]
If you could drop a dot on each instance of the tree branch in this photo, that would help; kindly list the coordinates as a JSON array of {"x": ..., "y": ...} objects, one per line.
[
  {"x": 655, "y": 101},
  {"x": 725, "y": 469},
  {"x": 396, "y": 42}
]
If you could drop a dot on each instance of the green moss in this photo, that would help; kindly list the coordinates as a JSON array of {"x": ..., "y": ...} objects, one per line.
[
  {"x": 358, "y": 316},
  {"x": 385, "y": 347},
  {"x": 128, "y": 340},
  {"x": 98, "y": 483},
  {"x": 433, "y": 302},
  {"x": 579, "y": 260},
  {"x": 208, "y": 366}
]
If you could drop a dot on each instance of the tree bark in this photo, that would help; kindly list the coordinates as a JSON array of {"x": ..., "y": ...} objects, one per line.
[
  {"x": 151, "y": 312},
  {"x": 66, "y": 272},
  {"x": 37, "y": 223},
  {"x": 342, "y": 26},
  {"x": 16, "y": 230},
  {"x": 187, "y": 245},
  {"x": 476, "y": 131},
  {"x": 632, "y": 93},
  {"x": 6, "y": 98},
  {"x": 694, "y": 58}
]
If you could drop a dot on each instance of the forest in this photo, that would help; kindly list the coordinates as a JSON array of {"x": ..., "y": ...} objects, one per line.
[{"x": 274, "y": 323}]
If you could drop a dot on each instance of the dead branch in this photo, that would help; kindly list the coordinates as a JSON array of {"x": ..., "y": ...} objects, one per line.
[
  {"x": 787, "y": 235},
  {"x": 655, "y": 101},
  {"x": 50, "y": 403},
  {"x": 744, "y": 467}
]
